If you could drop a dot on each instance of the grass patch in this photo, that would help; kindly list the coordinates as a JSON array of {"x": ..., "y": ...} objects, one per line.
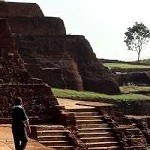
[
  {"x": 125, "y": 66},
  {"x": 83, "y": 95},
  {"x": 133, "y": 88}
]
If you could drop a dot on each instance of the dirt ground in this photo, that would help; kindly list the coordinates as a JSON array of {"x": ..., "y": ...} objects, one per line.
[
  {"x": 69, "y": 103},
  {"x": 6, "y": 140}
]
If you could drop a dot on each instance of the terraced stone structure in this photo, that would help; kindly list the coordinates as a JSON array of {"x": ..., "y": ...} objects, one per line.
[
  {"x": 16, "y": 81},
  {"x": 32, "y": 45},
  {"x": 65, "y": 61}
]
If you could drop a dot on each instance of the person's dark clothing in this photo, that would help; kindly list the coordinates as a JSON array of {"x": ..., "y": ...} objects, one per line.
[{"x": 18, "y": 127}]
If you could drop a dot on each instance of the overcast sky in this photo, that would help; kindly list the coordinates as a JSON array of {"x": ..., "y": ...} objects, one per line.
[{"x": 102, "y": 22}]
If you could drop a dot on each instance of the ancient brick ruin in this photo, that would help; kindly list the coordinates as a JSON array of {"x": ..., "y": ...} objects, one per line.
[
  {"x": 67, "y": 61},
  {"x": 35, "y": 50},
  {"x": 16, "y": 81},
  {"x": 20, "y": 9}
]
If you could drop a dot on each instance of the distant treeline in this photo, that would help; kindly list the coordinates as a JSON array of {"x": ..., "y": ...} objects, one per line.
[
  {"x": 142, "y": 62},
  {"x": 123, "y": 70}
]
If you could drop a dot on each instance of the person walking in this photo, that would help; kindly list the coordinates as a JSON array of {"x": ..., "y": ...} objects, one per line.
[{"x": 20, "y": 125}]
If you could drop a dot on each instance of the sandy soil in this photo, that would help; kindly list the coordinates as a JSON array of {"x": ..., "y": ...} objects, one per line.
[
  {"x": 6, "y": 140},
  {"x": 69, "y": 103}
]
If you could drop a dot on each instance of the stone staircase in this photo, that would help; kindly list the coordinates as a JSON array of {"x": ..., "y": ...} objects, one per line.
[
  {"x": 93, "y": 131},
  {"x": 54, "y": 136},
  {"x": 129, "y": 136},
  {"x": 87, "y": 129}
]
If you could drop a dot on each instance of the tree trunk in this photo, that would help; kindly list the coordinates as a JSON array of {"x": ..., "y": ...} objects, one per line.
[{"x": 139, "y": 52}]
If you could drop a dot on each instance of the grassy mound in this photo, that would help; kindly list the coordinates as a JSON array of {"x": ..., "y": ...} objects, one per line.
[{"x": 84, "y": 95}]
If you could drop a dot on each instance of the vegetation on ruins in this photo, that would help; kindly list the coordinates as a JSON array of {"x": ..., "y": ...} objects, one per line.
[
  {"x": 125, "y": 66},
  {"x": 136, "y": 37},
  {"x": 84, "y": 95},
  {"x": 142, "y": 62},
  {"x": 122, "y": 66},
  {"x": 134, "y": 89}
]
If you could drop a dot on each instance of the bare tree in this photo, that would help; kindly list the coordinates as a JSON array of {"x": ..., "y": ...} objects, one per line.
[{"x": 136, "y": 37}]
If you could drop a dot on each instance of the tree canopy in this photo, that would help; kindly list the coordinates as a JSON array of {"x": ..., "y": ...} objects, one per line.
[{"x": 136, "y": 37}]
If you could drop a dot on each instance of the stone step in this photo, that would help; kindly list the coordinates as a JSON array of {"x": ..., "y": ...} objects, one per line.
[
  {"x": 52, "y": 138},
  {"x": 105, "y": 148},
  {"x": 86, "y": 113},
  {"x": 55, "y": 143},
  {"x": 79, "y": 122},
  {"x": 134, "y": 132},
  {"x": 134, "y": 138},
  {"x": 99, "y": 134},
  {"x": 62, "y": 148},
  {"x": 92, "y": 125},
  {"x": 133, "y": 129},
  {"x": 51, "y": 132},
  {"x": 102, "y": 144},
  {"x": 98, "y": 139},
  {"x": 93, "y": 130},
  {"x": 88, "y": 117},
  {"x": 82, "y": 110},
  {"x": 136, "y": 148},
  {"x": 50, "y": 127}
]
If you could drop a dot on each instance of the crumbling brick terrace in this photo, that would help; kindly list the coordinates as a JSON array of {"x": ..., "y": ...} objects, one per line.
[
  {"x": 16, "y": 81},
  {"x": 44, "y": 46}
]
